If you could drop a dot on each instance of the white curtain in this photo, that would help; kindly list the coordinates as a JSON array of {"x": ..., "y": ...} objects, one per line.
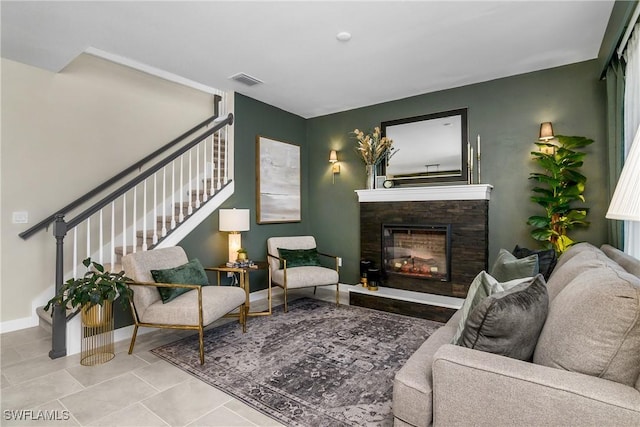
[{"x": 631, "y": 123}]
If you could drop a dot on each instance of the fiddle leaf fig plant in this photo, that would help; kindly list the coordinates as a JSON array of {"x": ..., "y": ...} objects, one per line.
[
  {"x": 560, "y": 187},
  {"x": 95, "y": 287}
]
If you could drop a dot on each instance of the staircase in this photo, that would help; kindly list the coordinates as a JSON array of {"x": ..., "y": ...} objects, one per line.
[{"x": 156, "y": 207}]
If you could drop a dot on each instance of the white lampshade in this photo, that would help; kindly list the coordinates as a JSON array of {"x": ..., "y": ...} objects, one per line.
[
  {"x": 234, "y": 220},
  {"x": 625, "y": 203}
]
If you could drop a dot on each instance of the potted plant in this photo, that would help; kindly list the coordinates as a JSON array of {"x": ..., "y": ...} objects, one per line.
[
  {"x": 92, "y": 292},
  {"x": 561, "y": 185},
  {"x": 242, "y": 254}
]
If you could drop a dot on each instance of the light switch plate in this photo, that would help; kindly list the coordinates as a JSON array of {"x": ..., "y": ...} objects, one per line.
[{"x": 21, "y": 217}]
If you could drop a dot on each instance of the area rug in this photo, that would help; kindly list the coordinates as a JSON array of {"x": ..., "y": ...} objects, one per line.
[{"x": 317, "y": 365}]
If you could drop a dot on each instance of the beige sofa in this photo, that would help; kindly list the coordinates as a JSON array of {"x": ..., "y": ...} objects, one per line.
[{"x": 585, "y": 369}]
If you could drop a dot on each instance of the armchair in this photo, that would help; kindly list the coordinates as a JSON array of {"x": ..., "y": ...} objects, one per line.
[
  {"x": 294, "y": 275},
  {"x": 192, "y": 310}
]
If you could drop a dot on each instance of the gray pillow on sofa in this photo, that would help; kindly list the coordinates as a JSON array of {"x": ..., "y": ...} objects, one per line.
[
  {"x": 507, "y": 267},
  {"x": 482, "y": 286},
  {"x": 509, "y": 323}
]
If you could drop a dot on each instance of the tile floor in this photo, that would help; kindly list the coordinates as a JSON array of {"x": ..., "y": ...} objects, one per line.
[{"x": 130, "y": 390}]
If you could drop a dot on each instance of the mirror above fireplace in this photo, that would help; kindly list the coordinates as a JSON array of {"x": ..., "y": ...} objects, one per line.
[{"x": 428, "y": 148}]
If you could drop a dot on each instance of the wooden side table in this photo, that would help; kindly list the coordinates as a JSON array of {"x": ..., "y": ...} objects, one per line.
[{"x": 244, "y": 273}]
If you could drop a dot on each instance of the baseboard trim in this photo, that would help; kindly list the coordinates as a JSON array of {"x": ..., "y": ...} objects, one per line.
[{"x": 17, "y": 324}]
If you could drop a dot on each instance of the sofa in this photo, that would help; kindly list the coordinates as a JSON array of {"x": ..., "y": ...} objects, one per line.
[{"x": 585, "y": 368}]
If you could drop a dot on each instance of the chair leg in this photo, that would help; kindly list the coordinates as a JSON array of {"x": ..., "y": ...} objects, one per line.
[
  {"x": 315, "y": 288},
  {"x": 133, "y": 339},
  {"x": 286, "y": 309},
  {"x": 337, "y": 293},
  {"x": 244, "y": 314},
  {"x": 201, "y": 339}
]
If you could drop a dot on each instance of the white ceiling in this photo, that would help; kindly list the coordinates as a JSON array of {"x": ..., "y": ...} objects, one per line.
[{"x": 398, "y": 48}]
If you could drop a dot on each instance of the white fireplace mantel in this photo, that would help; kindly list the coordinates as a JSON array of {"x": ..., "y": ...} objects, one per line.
[{"x": 410, "y": 194}]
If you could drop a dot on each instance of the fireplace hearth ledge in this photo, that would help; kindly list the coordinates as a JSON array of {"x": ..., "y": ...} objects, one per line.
[
  {"x": 410, "y": 296},
  {"x": 441, "y": 192}
]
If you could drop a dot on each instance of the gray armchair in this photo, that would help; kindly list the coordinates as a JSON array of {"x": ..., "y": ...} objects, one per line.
[
  {"x": 194, "y": 309},
  {"x": 288, "y": 277}
]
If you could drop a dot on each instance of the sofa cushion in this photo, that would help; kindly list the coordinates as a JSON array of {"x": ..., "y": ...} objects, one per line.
[
  {"x": 547, "y": 259},
  {"x": 579, "y": 261},
  {"x": 507, "y": 267},
  {"x": 482, "y": 286},
  {"x": 509, "y": 322},
  {"x": 574, "y": 250},
  {"x": 593, "y": 326},
  {"x": 301, "y": 277},
  {"x": 626, "y": 261}
]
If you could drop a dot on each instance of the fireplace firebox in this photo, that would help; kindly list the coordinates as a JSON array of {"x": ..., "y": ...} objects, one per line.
[{"x": 417, "y": 251}]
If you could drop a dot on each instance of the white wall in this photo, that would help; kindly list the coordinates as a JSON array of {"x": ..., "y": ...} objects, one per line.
[{"x": 62, "y": 134}]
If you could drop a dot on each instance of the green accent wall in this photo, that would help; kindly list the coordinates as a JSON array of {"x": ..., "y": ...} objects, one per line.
[{"x": 505, "y": 112}]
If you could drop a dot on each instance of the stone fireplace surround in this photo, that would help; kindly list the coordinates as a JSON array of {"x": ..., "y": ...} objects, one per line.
[{"x": 464, "y": 207}]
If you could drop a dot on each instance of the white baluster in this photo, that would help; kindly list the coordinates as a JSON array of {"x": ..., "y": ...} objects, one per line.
[
  {"x": 164, "y": 198},
  {"x": 218, "y": 143},
  {"x": 226, "y": 154},
  {"x": 212, "y": 184},
  {"x": 155, "y": 209},
  {"x": 144, "y": 216},
  {"x": 190, "y": 192},
  {"x": 113, "y": 232},
  {"x": 100, "y": 239},
  {"x": 197, "y": 176},
  {"x": 204, "y": 168},
  {"x": 173, "y": 195},
  {"x": 124, "y": 224},
  {"x": 88, "y": 237},
  {"x": 181, "y": 214},
  {"x": 134, "y": 214},
  {"x": 75, "y": 252}
]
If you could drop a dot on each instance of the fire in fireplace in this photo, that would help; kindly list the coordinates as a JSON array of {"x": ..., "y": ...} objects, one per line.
[{"x": 417, "y": 251}]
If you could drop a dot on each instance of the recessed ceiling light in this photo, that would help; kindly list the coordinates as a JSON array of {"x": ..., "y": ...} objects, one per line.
[{"x": 343, "y": 36}]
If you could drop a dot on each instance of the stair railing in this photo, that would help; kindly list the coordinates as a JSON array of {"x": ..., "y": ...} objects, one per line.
[{"x": 141, "y": 212}]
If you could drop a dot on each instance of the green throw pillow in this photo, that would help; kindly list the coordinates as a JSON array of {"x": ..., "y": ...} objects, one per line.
[
  {"x": 482, "y": 286},
  {"x": 508, "y": 267},
  {"x": 299, "y": 257},
  {"x": 191, "y": 273}
]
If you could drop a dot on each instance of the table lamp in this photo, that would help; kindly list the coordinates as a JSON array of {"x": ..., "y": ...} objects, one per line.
[{"x": 234, "y": 221}]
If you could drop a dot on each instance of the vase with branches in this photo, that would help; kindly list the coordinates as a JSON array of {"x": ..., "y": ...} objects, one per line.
[
  {"x": 373, "y": 149},
  {"x": 560, "y": 186}
]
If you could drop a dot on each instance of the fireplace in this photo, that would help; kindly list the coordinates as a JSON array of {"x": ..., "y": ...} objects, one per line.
[
  {"x": 417, "y": 251},
  {"x": 463, "y": 212}
]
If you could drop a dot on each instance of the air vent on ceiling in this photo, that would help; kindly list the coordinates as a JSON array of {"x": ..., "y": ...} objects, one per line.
[{"x": 245, "y": 79}]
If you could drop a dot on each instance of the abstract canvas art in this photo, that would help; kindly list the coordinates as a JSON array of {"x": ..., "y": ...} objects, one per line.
[{"x": 278, "y": 181}]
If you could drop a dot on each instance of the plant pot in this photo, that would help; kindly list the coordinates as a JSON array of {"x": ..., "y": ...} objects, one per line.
[
  {"x": 242, "y": 256},
  {"x": 97, "y": 334},
  {"x": 96, "y": 315}
]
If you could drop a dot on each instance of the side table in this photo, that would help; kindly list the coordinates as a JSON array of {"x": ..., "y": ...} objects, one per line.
[{"x": 244, "y": 273}]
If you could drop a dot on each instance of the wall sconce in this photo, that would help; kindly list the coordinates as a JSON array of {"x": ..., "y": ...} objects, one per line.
[
  {"x": 546, "y": 131},
  {"x": 333, "y": 159},
  {"x": 546, "y": 135},
  {"x": 234, "y": 221}
]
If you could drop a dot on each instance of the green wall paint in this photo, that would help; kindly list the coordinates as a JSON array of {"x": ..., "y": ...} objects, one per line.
[
  {"x": 506, "y": 113},
  {"x": 253, "y": 118}
]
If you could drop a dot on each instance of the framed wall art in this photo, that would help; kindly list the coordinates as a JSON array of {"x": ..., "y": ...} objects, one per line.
[{"x": 278, "y": 181}]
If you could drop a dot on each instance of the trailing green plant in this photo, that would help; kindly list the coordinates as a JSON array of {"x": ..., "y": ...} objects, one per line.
[
  {"x": 95, "y": 287},
  {"x": 560, "y": 187}
]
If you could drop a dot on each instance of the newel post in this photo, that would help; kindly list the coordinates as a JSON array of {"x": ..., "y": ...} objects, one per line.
[{"x": 59, "y": 324}]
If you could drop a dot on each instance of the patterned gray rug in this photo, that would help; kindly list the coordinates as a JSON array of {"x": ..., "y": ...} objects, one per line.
[{"x": 318, "y": 365}]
